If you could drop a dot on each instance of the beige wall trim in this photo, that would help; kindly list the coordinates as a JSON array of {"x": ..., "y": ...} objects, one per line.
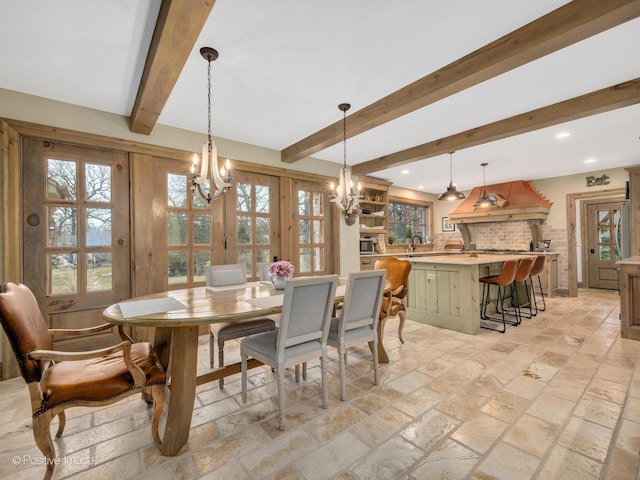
[{"x": 571, "y": 230}]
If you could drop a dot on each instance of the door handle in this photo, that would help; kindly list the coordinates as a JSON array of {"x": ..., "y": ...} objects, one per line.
[{"x": 592, "y": 251}]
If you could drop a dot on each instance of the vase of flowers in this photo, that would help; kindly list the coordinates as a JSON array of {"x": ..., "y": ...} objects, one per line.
[{"x": 279, "y": 272}]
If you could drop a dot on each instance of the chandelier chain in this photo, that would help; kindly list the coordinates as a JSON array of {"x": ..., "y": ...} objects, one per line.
[{"x": 209, "y": 103}]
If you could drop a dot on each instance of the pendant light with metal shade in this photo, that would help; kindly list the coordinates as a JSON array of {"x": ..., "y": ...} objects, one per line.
[
  {"x": 451, "y": 193},
  {"x": 485, "y": 200}
]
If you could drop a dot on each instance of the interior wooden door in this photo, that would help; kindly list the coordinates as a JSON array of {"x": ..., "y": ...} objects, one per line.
[
  {"x": 76, "y": 230},
  {"x": 603, "y": 252}
]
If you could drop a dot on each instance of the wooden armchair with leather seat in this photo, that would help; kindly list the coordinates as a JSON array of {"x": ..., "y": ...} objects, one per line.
[
  {"x": 394, "y": 303},
  {"x": 59, "y": 380}
]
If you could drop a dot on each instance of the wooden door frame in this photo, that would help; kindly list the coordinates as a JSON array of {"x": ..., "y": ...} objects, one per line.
[
  {"x": 612, "y": 194},
  {"x": 584, "y": 232}
]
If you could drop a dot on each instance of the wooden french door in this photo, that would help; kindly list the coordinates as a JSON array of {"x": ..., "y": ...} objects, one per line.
[
  {"x": 76, "y": 230},
  {"x": 312, "y": 246},
  {"x": 252, "y": 226},
  {"x": 603, "y": 250}
]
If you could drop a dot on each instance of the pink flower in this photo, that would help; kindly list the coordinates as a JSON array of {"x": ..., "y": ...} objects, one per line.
[{"x": 282, "y": 269}]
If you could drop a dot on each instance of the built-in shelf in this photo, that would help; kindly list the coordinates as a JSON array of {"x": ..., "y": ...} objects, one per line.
[{"x": 374, "y": 207}]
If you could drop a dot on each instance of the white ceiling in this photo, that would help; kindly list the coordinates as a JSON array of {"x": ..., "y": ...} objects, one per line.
[{"x": 285, "y": 65}]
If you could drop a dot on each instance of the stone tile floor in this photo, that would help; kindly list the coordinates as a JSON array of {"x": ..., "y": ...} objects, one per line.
[{"x": 555, "y": 398}]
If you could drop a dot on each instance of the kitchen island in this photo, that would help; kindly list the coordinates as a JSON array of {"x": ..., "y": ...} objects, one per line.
[{"x": 445, "y": 290}]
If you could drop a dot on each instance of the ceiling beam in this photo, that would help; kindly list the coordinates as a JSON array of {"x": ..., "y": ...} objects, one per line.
[
  {"x": 560, "y": 28},
  {"x": 600, "y": 101},
  {"x": 177, "y": 30}
]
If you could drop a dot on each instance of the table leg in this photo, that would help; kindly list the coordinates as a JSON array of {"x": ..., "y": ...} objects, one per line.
[
  {"x": 382, "y": 353},
  {"x": 184, "y": 356}
]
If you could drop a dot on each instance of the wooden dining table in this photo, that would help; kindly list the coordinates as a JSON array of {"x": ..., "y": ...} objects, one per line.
[{"x": 176, "y": 338}]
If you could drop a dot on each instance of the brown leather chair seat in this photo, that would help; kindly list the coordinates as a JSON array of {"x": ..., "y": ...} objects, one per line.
[{"x": 98, "y": 379}]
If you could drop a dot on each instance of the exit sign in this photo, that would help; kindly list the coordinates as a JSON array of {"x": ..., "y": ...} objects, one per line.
[{"x": 595, "y": 181}]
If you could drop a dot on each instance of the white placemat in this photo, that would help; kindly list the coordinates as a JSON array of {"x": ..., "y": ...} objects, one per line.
[
  {"x": 267, "y": 302},
  {"x": 145, "y": 307},
  {"x": 240, "y": 286},
  {"x": 277, "y": 300}
]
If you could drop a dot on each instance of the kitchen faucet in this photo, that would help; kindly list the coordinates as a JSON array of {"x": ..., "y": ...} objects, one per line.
[{"x": 413, "y": 244}]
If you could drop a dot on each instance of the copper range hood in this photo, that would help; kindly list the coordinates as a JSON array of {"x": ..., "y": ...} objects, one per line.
[{"x": 516, "y": 201}]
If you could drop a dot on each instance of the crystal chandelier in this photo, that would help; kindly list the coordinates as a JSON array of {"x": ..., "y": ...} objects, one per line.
[
  {"x": 345, "y": 198},
  {"x": 220, "y": 180}
]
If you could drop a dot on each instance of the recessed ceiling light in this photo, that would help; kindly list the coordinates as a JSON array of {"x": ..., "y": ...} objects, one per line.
[
  {"x": 590, "y": 160},
  {"x": 405, "y": 172},
  {"x": 420, "y": 187},
  {"x": 562, "y": 135}
]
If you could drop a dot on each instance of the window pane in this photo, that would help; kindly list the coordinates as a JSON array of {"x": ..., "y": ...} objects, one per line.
[
  {"x": 201, "y": 260},
  {"x": 318, "y": 231},
  {"x": 176, "y": 190},
  {"x": 63, "y": 226},
  {"x": 262, "y": 230},
  {"x": 318, "y": 259},
  {"x": 243, "y": 197},
  {"x": 318, "y": 206},
  {"x": 243, "y": 233},
  {"x": 305, "y": 234},
  {"x": 98, "y": 182},
  {"x": 603, "y": 235},
  {"x": 303, "y": 202},
  {"x": 262, "y": 199},
  {"x": 99, "y": 272},
  {"x": 98, "y": 227},
  {"x": 244, "y": 256},
  {"x": 198, "y": 201},
  {"x": 202, "y": 229},
  {"x": 603, "y": 217},
  {"x": 305, "y": 260},
  {"x": 605, "y": 252},
  {"x": 61, "y": 181},
  {"x": 263, "y": 255},
  {"x": 177, "y": 228},
  {"x": 177, "y": 262},
  {"x": 63, "y": 273}
]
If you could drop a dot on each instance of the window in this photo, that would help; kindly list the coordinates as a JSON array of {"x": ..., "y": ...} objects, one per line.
[
  {"x": 188, "y": 232},
  {"x": 79, "y": 212},
  {"x": 410, "y": 217},
  {"x": 252, "y": 222}
]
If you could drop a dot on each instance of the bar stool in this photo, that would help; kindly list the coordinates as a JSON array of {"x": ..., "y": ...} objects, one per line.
[
  {"x": 502, "y": 281},
  {"x": 536, "y": 271},
  {"x": 522, "y": 275}
]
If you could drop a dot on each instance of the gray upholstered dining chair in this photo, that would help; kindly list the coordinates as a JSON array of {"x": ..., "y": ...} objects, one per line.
[
  {"x": 263, "y": 271},
  {"x": 302, "y": 335},
  {"x": 358, "y": 320},
  {"x": 223, "y": 276}
]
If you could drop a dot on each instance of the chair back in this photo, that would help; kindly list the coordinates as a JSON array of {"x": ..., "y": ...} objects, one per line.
[
  {"x": 538, "y": 266},
  {"x": 306, "y": 311},
  {"x": 397, "y": 274},
  {"x": 25, "y": 328},
  {"x": 362, "y": 300},
  {"x": 222, "y": 275},
  {"x": 524, "y": 269},
  {"x": 263, "y": 271},
  {"x": 508, "y": 273}
]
